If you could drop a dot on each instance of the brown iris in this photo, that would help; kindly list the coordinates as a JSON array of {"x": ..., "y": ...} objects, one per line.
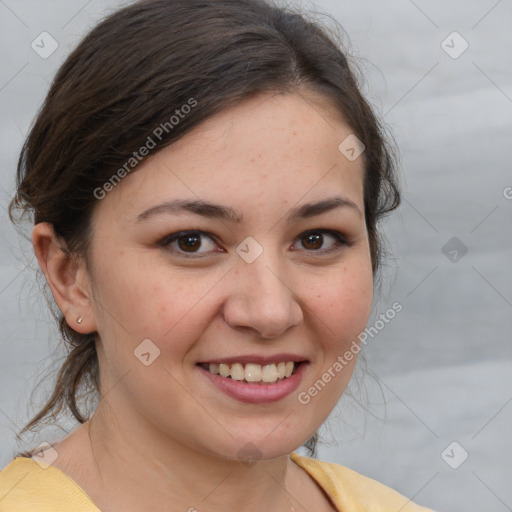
[
  {"x": 189, "y": 243},
  {"x": 315, "y": 239}
]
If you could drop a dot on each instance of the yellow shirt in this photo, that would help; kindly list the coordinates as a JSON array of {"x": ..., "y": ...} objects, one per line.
[{"x": 27, "y": 487}]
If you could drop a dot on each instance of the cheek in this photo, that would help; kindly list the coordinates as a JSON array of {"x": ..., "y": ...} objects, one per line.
[
  {"x": 155, "y": 304},
  {"x": 343, "y": 303},
  {"x": 341, "y": 307}
]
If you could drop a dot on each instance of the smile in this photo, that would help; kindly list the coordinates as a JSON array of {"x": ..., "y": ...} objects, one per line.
[
  {"x": 252, "y": 372},
  {"x": 252, "y": 382}
]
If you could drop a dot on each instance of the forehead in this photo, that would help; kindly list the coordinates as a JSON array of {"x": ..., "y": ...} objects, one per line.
[{"x": 271, "y": 149}]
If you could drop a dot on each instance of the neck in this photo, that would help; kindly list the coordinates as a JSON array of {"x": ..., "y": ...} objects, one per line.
[{"x": 141, "y": 468}]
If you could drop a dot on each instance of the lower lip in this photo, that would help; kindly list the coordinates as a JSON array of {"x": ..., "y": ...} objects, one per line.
[{"x": 256, "y": 393}]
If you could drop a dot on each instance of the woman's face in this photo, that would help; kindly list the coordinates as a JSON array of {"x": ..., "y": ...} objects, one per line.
[{"x": 261, "y": 280}]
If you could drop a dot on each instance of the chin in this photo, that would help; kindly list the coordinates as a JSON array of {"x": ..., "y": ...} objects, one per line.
[{"x": 257, "y": 445}]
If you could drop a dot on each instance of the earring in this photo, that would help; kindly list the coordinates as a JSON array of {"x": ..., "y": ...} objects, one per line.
[{"x": 79, "y": 320}]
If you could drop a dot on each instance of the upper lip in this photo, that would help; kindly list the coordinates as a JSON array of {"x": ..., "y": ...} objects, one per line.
[{"x": 256, "y": 359}]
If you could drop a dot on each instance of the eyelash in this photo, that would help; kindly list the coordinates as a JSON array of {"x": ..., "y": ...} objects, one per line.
[{"x": 341, "y": 241}]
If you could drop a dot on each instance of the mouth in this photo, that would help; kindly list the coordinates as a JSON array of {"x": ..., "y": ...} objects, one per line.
[{"x": 253, "y": 373}]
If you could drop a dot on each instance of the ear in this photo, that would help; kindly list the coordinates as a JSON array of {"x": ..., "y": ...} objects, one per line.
[{"x": 64, "y": 274}]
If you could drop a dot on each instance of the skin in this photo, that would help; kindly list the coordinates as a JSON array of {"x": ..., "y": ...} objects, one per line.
[{"x": 163, "y": 437}]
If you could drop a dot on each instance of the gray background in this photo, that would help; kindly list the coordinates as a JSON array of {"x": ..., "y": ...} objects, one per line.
[{"x": 442, "y": 367}]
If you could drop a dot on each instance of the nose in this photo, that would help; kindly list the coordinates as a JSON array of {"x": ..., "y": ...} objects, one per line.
[{"x": 261, "y": 299}]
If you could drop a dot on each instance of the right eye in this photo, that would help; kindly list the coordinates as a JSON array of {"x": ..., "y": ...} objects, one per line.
[{"x": 187, "y": 243}]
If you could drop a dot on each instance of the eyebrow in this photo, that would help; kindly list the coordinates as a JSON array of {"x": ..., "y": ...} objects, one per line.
[{"x": 225, "y": 213}]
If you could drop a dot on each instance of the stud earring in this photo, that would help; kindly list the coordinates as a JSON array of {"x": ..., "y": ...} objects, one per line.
[{"x": 79, "y": 320}]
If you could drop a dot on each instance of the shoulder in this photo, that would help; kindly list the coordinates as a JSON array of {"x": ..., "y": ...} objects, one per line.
[
  {"x": 27, "y": 486},
  {"x": 351, "y": 491}
]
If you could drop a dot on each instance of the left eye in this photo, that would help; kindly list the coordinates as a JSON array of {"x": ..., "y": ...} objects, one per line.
[{"x": 187, "y": 243}]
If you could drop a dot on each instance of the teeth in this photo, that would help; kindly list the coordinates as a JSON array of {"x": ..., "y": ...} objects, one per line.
[
  {"x": 224, "y": 370},
  {"x": 269, "y": 373},
  {"x": 252, "y": 372},
  {"x": 237, "y": 371}
]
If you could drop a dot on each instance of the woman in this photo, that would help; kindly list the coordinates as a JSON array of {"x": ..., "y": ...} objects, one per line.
[{"x": 206, "y": 181}]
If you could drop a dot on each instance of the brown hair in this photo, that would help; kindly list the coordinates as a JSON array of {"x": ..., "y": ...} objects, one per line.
[{"x": 128, "y": 76}]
